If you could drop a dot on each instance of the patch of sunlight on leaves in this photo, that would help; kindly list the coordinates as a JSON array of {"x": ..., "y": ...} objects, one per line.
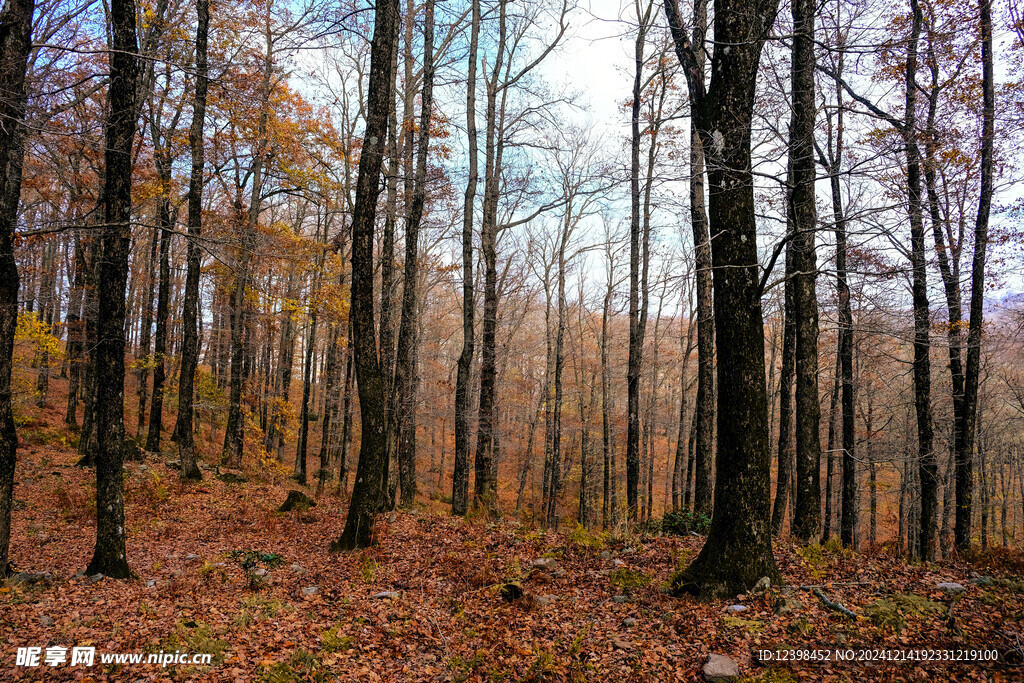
[
  {"x": 584, "y": 540},
  {"x": 892, "y": 612},
  {"x": 751, "y": 625},
  {"x": 628, "y": 580}
]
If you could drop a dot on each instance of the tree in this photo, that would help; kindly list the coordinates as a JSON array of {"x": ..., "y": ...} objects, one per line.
[
  {"x": 15, "y": 45},
  {"x": 358, "y": 532},
  {"x": 460, "y": 475},
  {"x": 803, "y": 217},
  {"x": 108, "y": 358},
  {"x": 964, "y": 464},
  {"x": 738, "y": 549},
  {"x": 405, "y": 361},
  {"x": 190, "y": 312},
  {"x": 704, "y": 407}
]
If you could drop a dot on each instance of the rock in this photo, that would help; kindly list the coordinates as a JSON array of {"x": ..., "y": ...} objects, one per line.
[
  {"x": 559, "y": 572},
  {"x": 96, "y": 578},
  {"x": 177, "y": 573},
  {"x": 260, "y": 571},
  {"x": 298, "y": 569},
  {"x": 736, "y": 609},
  {"x": 546, "y": 564},
  {"x": 982, "y": 580},
  {"x": 296, "y": 500},
  {"x": 950, "y": 587},
  {"x": 310, "y": 590},
  {"x": 763, "y": 584},
  {"x": 618, "y": 563},
  {"x": 174, "y": 464},
  {"x": 786, "y": 605},
  {"x": 622, "y": 644},
  {"x": 232, "y": 477},
  {"x": 605, "y": 555},
  {"x": 143, "y": 467},
  {"x": 545, "y": 600},
  {"x": 150, "y": 583},
  {"x": 620, "y": 598},
  {"x": 191, "y": 556},
  {"x": 385, "y": 595},
  {"x": 45, "y": 621},
  {"x": 629, "y": 622},
  {"x": 721, "y": 668}
]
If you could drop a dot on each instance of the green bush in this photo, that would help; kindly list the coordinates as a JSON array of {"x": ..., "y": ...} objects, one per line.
[{"x": 684, "y": 522}]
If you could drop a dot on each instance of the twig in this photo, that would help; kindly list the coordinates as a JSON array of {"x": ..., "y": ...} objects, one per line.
[{"x": 834, "y": 606}]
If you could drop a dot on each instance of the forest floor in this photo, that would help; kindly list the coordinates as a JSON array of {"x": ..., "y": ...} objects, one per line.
[{"x": 426, "y": 603}]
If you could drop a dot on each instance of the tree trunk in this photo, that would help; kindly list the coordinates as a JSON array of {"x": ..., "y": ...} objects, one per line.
[
  {"x": 786, "y": 376},
  {"x": 964, "y": 464},
  {"x": 15, "y": 45},
  {"x": 804, "y": 217},
  {"x": 109, "y": 556},
  {"x": 485, "y": 484},
  {"x": 704, "y": 407},
  {"x": 405, "y": 364},
  {"x": 162, "y": 305},
  {"x": 460, "y": 475},
  {"x": 738, "y": 549},
  {"x": 358, "y": 531},
  {"x": 190, "y": 313}
]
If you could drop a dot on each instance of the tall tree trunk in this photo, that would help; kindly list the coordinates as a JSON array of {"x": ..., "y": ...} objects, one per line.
[
  {"x": 190, "y": 313},
  {"x": 162, "y": 304},
  {"x": 804, "y": 217},
  {"x": 927, "y": 467},
  {"x": 738, "y": 549},
  {"x": 485, "y": 484},
  {"x": 109, "y": 556},
  {"x": 15, "y": 45},
  {"x": 460, "y": 475},
  {"x": 234, "y": 436},
  {"x": 704, "y": 407},
  {"x": 146, "y": 335},
  {"x": 358, "y": 532},
  {"x": 786, "y": 377},
  {"x": 76, "y": 332},
  {"x": 405, "y": 364},
  {"x": 964, "y": 463},
  {"x": 636, "y": 332}
]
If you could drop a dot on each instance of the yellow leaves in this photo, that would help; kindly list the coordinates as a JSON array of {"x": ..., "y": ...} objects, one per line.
[{"x": 34, "y": 333}]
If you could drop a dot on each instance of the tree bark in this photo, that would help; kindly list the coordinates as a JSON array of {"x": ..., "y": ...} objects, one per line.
[
  {"x": 738, "y": 549},
  {"x": 190, "y": 312},
  {"x": 964, "y": 459},
  {"x": 358, "y": 532},
  {"x": 460, "y": 475},
  {"x": 15, "y": 45},
  {"x": 109, "y": 556},
  {"x": 804, "y": 217},
  {"x": 786, "y": 378},
  {"x": 405, "y": 363}
]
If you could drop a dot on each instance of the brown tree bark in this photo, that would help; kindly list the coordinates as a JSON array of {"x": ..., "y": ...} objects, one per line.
[
  {"x": 190, "y": 312},
  {"x": 405, "y": 363},
  {"x": 738, "y": 549},
  {"x": 15, "y": 45},
  {"x": 964, "y": 464},
  {"x": 109, "y": 556},
  {"x": 803, "y": 217},
  {"x": 358, "y": 532},
  {"x": 460, "y": 475}
]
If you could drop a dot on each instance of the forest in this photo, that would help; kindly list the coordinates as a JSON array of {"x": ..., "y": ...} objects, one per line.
[{"x": 511, "y": 340}]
